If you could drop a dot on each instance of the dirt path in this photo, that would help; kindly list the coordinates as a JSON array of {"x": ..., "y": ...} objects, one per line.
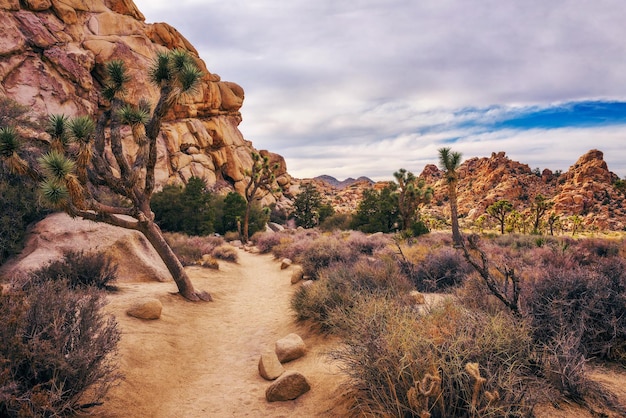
[{"x": 200, "y": 359}]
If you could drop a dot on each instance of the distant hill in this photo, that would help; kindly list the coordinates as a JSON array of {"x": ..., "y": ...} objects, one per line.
[{"x": 342, "y": 184}]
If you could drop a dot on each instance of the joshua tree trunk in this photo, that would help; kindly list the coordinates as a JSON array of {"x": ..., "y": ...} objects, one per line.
[
  {"x": 153, "y": 234},
  {"x": 454, "y": 215}
]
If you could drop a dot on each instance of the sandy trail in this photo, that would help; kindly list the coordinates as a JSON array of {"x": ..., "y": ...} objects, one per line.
[{"x": 201, "y": 359}]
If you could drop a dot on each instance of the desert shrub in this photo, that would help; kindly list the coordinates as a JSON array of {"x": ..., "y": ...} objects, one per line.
[
  {"x": 225, "y": 252},
  {"x": 266, "y": 241},
  {"x": 341, "y": 284},
  {"x": 190, "y": 249},
  {"x": 337, "y": 221},
  {"x": 56, "y": 350},
  {"x": 367, "y": 244},
  {"x": 588, "y": 300},
  {"x": 441, "y": 270},
  {"x": 449, "y": 362},
  {"x": 78, "y": 269},
  {"x": 293, "y": 245},
  {"x": 324, "y": 252}
]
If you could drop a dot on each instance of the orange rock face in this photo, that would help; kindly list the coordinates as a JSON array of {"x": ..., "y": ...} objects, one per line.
[{"x": 52, "y": 57}]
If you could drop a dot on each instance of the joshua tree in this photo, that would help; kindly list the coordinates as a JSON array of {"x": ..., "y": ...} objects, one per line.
[
  {"x": 77, "y": 176},
  {"x": 260, "y": 180},
  {"x": 449, "y": 162},
  {"x": 539, "y": 207},
  {"x": 411, "y": 194},
  {"x": 499, "y": 211}
]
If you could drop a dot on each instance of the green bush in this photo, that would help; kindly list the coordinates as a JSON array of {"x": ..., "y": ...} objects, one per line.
[
  {"x": 336, "y": 221},
  {"x": 189, "y": 209},
  {"x": 56, "y": 350}
]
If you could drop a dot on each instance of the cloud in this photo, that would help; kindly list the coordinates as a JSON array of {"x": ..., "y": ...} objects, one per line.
[{"x": 368, "y": 86}]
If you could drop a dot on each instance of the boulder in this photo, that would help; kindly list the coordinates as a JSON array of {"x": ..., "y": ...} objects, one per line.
[
  {"x": 269, "y": 366},
  {"x": 290, "y": 348},
  {"x": 149, "y": 308},
  {"x": 135, "y": 258},
  {"x": 285, "y": 263},
  {"x": 297, "y": 275},
  {"x": 288, "y": 387}
]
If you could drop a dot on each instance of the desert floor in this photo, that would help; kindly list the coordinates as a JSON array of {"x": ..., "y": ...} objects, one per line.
[{"x": 201, "y": 359}]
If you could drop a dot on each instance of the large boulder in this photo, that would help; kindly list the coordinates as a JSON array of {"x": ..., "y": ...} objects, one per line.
[{"x": 134, "y": 256}]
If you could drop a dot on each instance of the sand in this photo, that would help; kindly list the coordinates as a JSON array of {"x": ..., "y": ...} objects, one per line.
[{"x": 201, "y": 359}]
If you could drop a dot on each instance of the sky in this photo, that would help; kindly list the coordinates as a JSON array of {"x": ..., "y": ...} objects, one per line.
[{"x": 366, "y": 87}]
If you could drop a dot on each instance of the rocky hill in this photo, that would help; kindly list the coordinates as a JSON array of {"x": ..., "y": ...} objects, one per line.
[
  {"x": 587, "y": 189},
  {"x": 52, "y": 56}
]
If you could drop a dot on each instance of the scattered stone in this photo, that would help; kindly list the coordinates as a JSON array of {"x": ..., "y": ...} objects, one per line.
[
  {"x": 417, "y": 297},
  {"x": 290, "y": 348},
  {"x": 297, "y": 275},
  {"x": 285, "y": 263},
  {"x": 288, "y": 387},
  {"x": 269, "y": 366},
  {"x": 236, "y": 243},
  {"x": 149, "y": 308}
]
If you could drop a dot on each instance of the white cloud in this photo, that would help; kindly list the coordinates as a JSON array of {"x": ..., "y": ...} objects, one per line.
[{"x": 369, "y": 86}]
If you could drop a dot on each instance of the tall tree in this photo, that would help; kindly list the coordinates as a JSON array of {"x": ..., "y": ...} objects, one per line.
[
  {"x": 377, "y": 211},
  {"x": 76, "y": 168},
  {"x": 306, "y": 207},
  {"x": 499, "y": 210},
  {"x": 449, "y": 162},
  {"x": 411, "y": 194},
  {"x": 261, "y": 178}
]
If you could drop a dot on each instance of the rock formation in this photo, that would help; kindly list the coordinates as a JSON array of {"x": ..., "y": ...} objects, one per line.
[
  {"x": 52, "y": 57},
  {"x": 587, "y": 189}
]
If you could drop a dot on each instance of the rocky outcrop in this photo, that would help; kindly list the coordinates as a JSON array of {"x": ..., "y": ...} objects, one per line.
[
  {"x": 587, "y": 189},
  {"x": 52, "y": 57}
]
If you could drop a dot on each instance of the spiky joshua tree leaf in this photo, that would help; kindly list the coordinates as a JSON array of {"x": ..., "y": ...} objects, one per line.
[
  {"x": 54, "y": 192},
  {"x": 9, "y": 141},
  {"x": 56, "y": 166},
  {"x": 131, "y": 115},
  {"x": 81, "y": 129}
]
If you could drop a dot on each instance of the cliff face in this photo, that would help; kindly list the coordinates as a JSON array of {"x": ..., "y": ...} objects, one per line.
[{"x": 52, "y": 56}]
